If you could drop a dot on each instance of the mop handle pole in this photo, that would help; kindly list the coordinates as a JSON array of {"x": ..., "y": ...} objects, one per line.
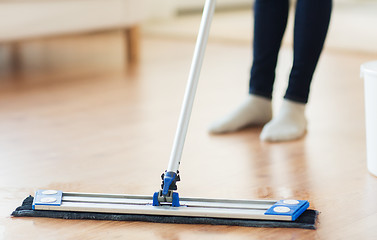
[{"x": 196, "y": 65}]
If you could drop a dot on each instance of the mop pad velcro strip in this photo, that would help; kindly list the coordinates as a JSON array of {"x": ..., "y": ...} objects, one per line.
[{"x": 307, "y": 219}]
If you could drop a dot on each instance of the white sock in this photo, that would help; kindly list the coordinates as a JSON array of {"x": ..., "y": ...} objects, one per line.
[
  {"x": 289, "y": 124},
  {"x": 254, "y": 111}
]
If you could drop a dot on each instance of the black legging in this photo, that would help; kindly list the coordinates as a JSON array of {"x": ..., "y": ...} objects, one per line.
[{"x": 310, "y": 29}]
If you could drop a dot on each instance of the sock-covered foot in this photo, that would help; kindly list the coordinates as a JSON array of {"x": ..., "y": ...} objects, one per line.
[
  {"x": 289, "y": 124},
  {"x": 254, "y": 111}
]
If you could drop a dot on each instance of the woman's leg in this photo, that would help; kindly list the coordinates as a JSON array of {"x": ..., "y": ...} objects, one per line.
[
  {"x": 269, "y": 27},
  {"x": 311, "y": 25},
  {"x": 270, "y": 19}
]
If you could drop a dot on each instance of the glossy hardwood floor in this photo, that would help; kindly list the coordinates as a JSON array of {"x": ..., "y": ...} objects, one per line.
[{"x": 73, "y": 118}]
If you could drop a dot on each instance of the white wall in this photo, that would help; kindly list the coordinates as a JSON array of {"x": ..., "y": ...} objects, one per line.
[
  {"x": 168, "y": 8},
  {"x": 193, "y": 4},
  {"x": 157, "y": 9}
]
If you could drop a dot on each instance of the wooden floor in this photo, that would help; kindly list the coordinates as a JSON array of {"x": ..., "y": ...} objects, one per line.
[{"x": 72, "y": 118}]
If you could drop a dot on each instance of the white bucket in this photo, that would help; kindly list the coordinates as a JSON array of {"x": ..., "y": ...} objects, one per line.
[{"x": 369, "y": 72}]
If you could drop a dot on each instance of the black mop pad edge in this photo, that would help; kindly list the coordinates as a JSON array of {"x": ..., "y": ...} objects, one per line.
[{"x": 307, "y": 220}]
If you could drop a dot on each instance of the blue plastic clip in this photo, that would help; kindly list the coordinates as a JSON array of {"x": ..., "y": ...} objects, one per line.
[
  {"x": 48, "y": 198},
  {"x": 175, "y": 202},
  {"x": 155, "y": 199},
  {"x": 168, "y": 179},
  {"x": 293, "y": 208}
]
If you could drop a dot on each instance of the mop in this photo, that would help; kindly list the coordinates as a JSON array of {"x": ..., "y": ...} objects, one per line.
[{"x": 165, "y": 206}]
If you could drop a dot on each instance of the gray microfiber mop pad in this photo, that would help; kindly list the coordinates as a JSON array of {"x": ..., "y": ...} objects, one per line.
[{"x": 307, "y": 220}]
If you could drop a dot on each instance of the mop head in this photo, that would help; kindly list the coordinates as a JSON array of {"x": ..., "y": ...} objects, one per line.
[{"x": 307, "y": 220}]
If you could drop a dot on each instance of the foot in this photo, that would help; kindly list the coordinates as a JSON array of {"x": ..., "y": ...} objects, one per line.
[
  {"x": 289, "y": 124},
  {"x": 254, "y": 111}
]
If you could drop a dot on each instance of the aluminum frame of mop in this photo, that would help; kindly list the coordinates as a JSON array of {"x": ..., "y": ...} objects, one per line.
[{"x": 283, "y": 210}]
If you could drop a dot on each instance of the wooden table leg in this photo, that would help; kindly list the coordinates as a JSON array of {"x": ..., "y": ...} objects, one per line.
[
  {"x": 16, "y": 59},
  {"x": 132, "y": 35}
]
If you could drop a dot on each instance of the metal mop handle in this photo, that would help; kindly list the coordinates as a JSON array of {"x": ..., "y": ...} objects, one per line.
[
  {"x": 193, "y": 79},
  {"x": 192, "y": 84}
]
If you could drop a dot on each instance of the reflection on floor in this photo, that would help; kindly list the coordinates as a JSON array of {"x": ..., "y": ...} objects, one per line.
[{"x": 72, "y": 118}]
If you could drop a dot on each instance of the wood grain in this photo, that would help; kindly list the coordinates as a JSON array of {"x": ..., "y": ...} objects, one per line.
[{"x": 88, "y": 125}]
